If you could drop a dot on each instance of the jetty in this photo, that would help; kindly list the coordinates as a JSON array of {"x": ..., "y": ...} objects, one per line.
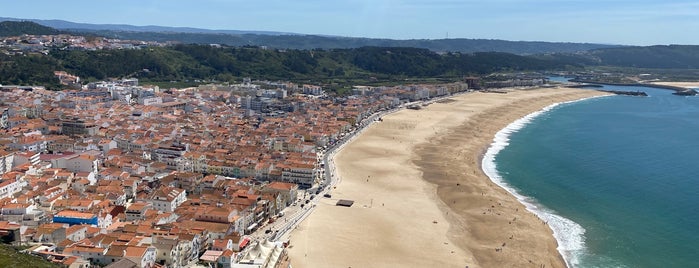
[
  {"x": 585, "y": 85},
  {"x": 680, "y": 91},
  {"x": 627, "y": 93}
]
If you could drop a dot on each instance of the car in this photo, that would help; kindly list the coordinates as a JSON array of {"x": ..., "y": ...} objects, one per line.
[{"x": 327, "y": 195}]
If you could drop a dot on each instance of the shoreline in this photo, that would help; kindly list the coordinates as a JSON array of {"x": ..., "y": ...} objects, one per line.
[
  {"x": 560, "y": 226},
  {"x": 387, "y": 158}
]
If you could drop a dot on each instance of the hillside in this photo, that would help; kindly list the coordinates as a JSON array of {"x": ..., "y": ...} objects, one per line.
[
  {"x": 15, "y": 28},
  {"x": 658, "y": 57},
  {"x": 203, "y": 62},
  {"x": 303, "y": 41},
  {"x": 331, "y": 42},
  {"x": 77, "y": 27},
  {"x": 9, "y": 257}
]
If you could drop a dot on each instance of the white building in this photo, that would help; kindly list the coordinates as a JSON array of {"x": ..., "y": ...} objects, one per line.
[
  {"x": 9, "y": 187},
  {"x": 166, "y": 199},
  {"x": 6, "y": 160},
  {"x": 84, "y": 162},
  {"x": 263, "y": 254},
  {"x": 301, "y": 174}
]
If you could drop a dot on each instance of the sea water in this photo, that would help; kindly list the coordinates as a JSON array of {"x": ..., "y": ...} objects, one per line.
[{"x": 616, "y": 178}]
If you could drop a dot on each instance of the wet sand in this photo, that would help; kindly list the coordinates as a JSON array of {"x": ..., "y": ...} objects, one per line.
[{"x": 421, "y": 198}]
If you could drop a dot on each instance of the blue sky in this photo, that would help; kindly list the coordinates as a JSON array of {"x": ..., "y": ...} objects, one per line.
[{"x": 638, "y": 22}]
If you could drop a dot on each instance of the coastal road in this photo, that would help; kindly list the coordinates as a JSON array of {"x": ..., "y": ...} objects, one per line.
[{"x": 295, "y": 214}]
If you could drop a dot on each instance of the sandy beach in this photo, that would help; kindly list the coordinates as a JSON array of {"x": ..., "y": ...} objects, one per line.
[
  {"x": 421, "y": 198},
  {"x": 679, "y": 84}
]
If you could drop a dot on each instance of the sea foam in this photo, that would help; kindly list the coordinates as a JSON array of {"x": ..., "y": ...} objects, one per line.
[{"x": 569, "y": 235}]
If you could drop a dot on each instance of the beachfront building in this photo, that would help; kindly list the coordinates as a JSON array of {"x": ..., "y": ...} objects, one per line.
[
  {"x": 299, "y": 173},
  {"x": 287, "y": 192},
  {"x": 261, "y": 254}
]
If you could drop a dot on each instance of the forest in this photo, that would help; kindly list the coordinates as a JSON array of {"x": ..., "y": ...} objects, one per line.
[{"x": 226, "y": 64}]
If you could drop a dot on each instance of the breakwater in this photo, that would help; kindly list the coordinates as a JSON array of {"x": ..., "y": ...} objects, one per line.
[
  {"x": 627, "y": 93},
  {"x": 678, "y": 90}
]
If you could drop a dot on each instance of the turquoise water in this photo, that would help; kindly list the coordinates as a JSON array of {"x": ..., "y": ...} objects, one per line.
[{"x": 616, "y": 177}]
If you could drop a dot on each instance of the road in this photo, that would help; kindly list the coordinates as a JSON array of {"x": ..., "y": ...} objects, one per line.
[{"x": 295, "y": 214}]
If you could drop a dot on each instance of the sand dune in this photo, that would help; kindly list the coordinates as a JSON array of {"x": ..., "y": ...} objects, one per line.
[{"x": 421, "y": 198}]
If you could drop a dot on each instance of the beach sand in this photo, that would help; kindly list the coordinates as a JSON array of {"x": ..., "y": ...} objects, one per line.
[
  {"x": 679, "y": 84},
  {"x": 421, "y": 198}
]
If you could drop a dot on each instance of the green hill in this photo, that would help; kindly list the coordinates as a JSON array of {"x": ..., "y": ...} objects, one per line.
[
  {"x": 659, "y": 57},
  {"x": 16, "y": 28},
  {"x": 10, "y": 257},
  {"x": 306, "y": 41},
  {"x": 463, "y": 45},
  {"x": 204, "y": 62}
]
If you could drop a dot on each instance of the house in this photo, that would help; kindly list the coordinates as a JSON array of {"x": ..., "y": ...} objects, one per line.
[
  {"x": 94, "y": 254},
  {"x": 143, "y": 256},
  {"x": 211, "y": 257},
  {"x": 123, "y": 263},
  {"x": 11, "y": 186},
  {"x": 76, "y": 233},
  {"x": 217, "y": 214},
  {"x": 50, "y": 233},
  {"x": 214, "y": 230},
  {"x": 9, "y": 232},
  {"x": 28, "y": 214},
  {"x": 137, "y": 211},
  {"x": 165, "y": 199},
  {"x": 84, "y": 162},
  {"x": 171, "y": 251},
  {"x": 288, "y": 191},
  {"x": 26, "y": 157},
  {"x": 226, "y": 259},
  {"x": 222, "y": 244}
]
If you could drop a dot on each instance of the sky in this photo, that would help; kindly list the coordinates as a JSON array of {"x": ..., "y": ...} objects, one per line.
[{"x": 626, "y": 22}]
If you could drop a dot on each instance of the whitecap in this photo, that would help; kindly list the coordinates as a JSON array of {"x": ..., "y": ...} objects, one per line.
[{"x": 569, "y": 235}]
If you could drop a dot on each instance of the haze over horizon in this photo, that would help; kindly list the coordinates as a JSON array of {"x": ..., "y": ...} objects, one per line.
[{"x": 625, "y": 22}]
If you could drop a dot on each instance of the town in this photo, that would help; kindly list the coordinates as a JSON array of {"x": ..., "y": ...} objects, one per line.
[
  {"x": 119, "y": 174},
  {"x": 27, "y": 44}
]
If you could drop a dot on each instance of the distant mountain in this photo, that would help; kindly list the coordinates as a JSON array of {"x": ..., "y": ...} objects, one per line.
[
  {"x": 75, "y": 26},
  {"x": 298, "y": 41},
  {"x": 15, "y": 28},
  {"x": 332, "y": 42}
]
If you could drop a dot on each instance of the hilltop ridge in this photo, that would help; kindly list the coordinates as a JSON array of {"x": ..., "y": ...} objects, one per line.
[{"x": 282, "y": 40}]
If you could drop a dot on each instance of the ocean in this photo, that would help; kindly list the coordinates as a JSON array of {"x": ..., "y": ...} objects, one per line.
[{"x": 617, "y": 178}]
